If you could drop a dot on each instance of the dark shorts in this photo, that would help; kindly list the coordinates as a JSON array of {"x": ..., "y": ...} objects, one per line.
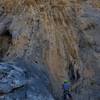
[{"x": 67, "y": 93}]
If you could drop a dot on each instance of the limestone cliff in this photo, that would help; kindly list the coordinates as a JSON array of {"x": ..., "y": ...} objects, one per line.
[{"x": 61, "y": 34}]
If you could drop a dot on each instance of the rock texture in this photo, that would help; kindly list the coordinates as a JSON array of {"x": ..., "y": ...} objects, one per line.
[
  {"x": 22, "y": 84},
  {"x": 63, "y": 35}
]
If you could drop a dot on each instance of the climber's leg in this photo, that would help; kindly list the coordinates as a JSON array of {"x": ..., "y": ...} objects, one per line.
[
  {"x": 69, "y": 95},
  {"x": 64, "y": 95}
]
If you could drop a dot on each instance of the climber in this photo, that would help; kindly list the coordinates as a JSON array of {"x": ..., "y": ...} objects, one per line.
[{"x": 66, "y": 92}]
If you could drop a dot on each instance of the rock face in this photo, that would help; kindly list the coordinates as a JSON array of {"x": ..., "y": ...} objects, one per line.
[
  {"x": 11, "y": 78},
  {"x": 17, "y": 84},
  {"x": 63, "y": 35}
]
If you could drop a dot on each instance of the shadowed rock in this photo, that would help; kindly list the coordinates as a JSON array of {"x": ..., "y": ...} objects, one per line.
[{"x": 15, "y": 85}]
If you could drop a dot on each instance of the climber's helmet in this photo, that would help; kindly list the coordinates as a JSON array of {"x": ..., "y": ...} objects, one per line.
[{"x": 66, "y": 81}]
